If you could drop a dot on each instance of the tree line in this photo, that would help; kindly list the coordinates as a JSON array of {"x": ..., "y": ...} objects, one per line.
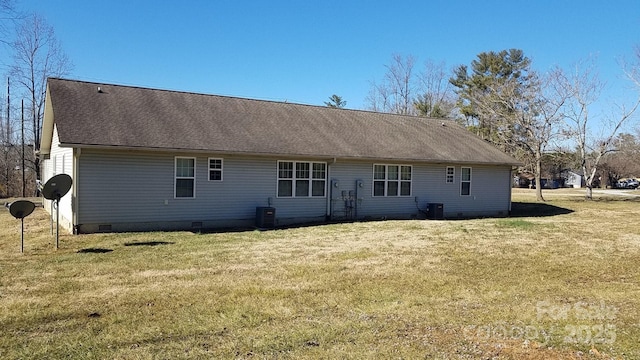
[
  {"x": 29, "y": 54},
  {"x": 543, "y": 119}
]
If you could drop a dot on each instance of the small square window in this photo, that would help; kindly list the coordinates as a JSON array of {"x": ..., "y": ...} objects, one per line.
[
  {"x": 451, "y": 172},
  {"x": 215, "y": 169}
]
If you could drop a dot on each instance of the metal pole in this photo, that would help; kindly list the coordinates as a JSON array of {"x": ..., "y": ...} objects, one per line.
[
  {"x": 22, "y": 235},
  {"x": 23, "y": 177},
  {"x": 7, "y": 134},
  {"x": 57, "y": 221},
  {"x": 8, "y": 111}
]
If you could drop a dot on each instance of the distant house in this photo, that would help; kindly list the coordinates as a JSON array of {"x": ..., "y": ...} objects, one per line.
[
  {"x": 146, "y": 159},
  {"x": 524, "y": 180},
  {"x": 573, "y": 179},
  {"x": 528, "y": 180}
]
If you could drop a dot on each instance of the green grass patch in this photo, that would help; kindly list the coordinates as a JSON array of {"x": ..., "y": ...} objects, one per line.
[{"x": 520, "y": 224}]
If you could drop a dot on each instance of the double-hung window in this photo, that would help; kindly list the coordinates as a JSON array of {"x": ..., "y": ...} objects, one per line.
[
  {"x": 215, "y": 169},
  {"x": 465, "y": 181},
  {"x": 185, "y": 177},
  {"x": 301, "y": 179},
  {"x": 392, "y": 180},
  {"x": 451, "y": 173}
]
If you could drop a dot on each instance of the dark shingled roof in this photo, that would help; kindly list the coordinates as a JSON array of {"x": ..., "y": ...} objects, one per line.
[{"x": 134, "y": 117}]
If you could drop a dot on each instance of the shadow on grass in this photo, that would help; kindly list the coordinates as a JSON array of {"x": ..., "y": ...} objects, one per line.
[
  {"x": 148, "y": 243},
  {"x": 604, "y": 198},
  {"x": 94, "y": 251},
  {"x": 518, "y": 209},
  {"x": 526, "y": 209}
]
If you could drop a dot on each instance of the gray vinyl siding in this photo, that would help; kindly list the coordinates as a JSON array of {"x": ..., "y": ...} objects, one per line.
[
  {"x": 347, "y": 175},
  {"x": 60, "y": 161},
  {"x": 490, "y": 191},
  {"x": 138, "y": 187},
  {"x": 135, "y": 191}
]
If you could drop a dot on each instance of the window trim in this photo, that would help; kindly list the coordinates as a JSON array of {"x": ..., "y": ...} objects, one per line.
[
  {"x": 295, "y": 179},
  {"x": 451, "y": 176},
  {"x": 386, "y": 180},
  {"x": 221, "y": 169},
  {"x": 462, "y": 181},
  {"x": 176, "y": 177}
]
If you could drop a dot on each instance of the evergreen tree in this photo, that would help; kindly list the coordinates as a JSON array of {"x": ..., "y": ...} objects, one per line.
[{"x": 336, "y": 101}]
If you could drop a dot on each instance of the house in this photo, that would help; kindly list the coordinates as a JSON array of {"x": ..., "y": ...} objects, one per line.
[
  {"x": 573, "y": 179},
  {"x": 524, "y": 179},
  {"x": 147, "y": 159}
]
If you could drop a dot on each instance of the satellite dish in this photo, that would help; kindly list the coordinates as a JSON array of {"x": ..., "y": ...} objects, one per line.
[
  {"x": 57, "y": 187},
  {"x": 54, "y": 189},
  {"x": 21, "y": 209}
]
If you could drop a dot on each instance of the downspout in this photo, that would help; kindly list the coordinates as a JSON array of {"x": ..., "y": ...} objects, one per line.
[
  {"x": 330, "y": 192},
  {"x": 74, "y": 190}
]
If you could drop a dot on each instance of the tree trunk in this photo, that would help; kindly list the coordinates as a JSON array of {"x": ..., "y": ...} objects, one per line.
[
  {"x": 592, "y": 175},
  {"x": 538, "y": 176}
]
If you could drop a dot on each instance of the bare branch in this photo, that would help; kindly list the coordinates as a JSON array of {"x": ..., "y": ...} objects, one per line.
[
  {"x": 37, "y": 55},
  {"x": 582, "y": 88}
]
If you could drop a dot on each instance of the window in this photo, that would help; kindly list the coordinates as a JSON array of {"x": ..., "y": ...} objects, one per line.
[
  {"x": 318, "y": 177},
  {"x": 301, "y": 179},
  {"x": 215, "y": 169},
  {"x": 451, "y": 172},
  {"x": 391, "y": 180},
  {"x": 185, "y": 177},
  {"x": 465, "y": 181}
]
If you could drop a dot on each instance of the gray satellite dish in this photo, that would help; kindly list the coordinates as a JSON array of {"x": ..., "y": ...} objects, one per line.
[
  {"x": 57, "y": 187},
  {"x": 54, "y": 189},
  {"x": 21, "y": 209}
]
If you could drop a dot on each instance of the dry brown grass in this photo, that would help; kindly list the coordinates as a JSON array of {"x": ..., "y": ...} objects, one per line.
[{"x": 461, "y": 289}]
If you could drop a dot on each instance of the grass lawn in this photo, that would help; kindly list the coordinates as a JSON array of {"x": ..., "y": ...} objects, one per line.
[{"x": 559, "y": 280}]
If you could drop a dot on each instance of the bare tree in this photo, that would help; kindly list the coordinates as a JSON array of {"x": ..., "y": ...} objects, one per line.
[
  {"x": 37, "y": 56},
  {"x": 399, "y": 77},
  {"x": 625, "y": 162},
  {"x": 526, "y": 117},
  {"x": 7, "y": 16},
  {"x": 395, "y": 93},
  {"x": 583, "y": 88},
  {"x": 436, "y": 97},
  {"x": 378, "y": 98},
  {"x": 7, "y": 151}
]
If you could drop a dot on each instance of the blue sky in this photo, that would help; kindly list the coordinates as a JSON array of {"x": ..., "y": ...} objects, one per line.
[{"x": 305, "y": 51}]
